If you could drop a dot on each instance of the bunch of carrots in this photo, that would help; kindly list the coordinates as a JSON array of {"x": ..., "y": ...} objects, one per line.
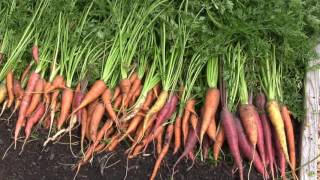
[{"x": 148, "y": 91}]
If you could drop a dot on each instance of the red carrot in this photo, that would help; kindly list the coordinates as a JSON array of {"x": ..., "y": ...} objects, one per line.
[
  {"x": 247, "y": 150},
  {"x": 232, "y": 137},
  {"x": 36, "y": 116},
  {"x": 24, "y": 105},
  {"x": 281, "y": 157}
]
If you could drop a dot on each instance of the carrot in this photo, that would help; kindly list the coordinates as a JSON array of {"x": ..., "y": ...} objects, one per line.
[
  {"x": 25, "y": 72},
  {"x": 191, "y": 142},
  {"x": 46, "y": 94},
  {"x": 281, "y": 158},
  {"x": 134, "y": 76},
  {"x": 3, "y": 92},
  {"x": 35, "y": 53},
  {"x": 107, "y": 125},
  {"x": 17, "y": 89},
  {"x": 247, "y": 150},
  {"x": 116, "y": 93},
  {"x": 148, "y": 120},
  {"x": 24, "y": 104},
  {"x": 277, "y": 122},
  {"x": 177, "y": 134},
  {"x": 95, "y": 121},
  {"x": 36, "y": 116},
  {"x": 210, "y": 108},
  {"x": 114, "y": 142},
  {"x": 205, "y": 147},
  {"x": 84, "y": 119},
  {"x": 194, "y": 120},
  {"x": 248, "y": 118},
  {"x": 136, "y": 84},
  {"x": 148, "y": 101},
  {"x": 212, "y": 130},
  {"x": 232, "y": 137},
  {"x": 218, "y": 143},
  {"x": 159, "y": 140},
  {"x": 106, "y": 98},
  {"x": 9, "y": 83},
  {"x": 95, "y": 91},
  {"x": 260, "y": 143},
  {"x": 117, "y": 101},
  {"x": 290, "y": 135},
  {"x": 163, "y": 152},
  {"x": 66, "y": 103},
  {"x": 260, "y": 102},
  {"x": 132, "y": 126},
  {"x": 135, "y": 96},
  {"x": 91, "y": 108},
  {"x": 125, "y": 86},
  {"x": 36, "y": 97},
  {"x": 78, "y": 96},
  {"x": 185, "y": 118}
]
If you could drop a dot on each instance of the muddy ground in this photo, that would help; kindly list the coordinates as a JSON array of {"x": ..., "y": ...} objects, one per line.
[{"x": 56, "y": 161}]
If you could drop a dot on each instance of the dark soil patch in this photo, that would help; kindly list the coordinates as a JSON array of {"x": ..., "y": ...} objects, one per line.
[{"x": 55, "y": 161}]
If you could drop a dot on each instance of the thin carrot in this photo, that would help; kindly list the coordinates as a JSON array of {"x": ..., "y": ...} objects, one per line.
[
  {"x": 159, "y": 140},
  {"x": 185, "y": 118},
  {"x": 290, "y": 135},
  {"x": 9, "y": 83},
  {"x": 116, "y": 93},
  {"x": 125, "y": 86},
  {"x": 24, "y": 105},
  {"x": 163, "y": 152},
  {"x": 84, "y": 119},
  {"x": 218, "y": 143},
  {"x": 25, "y": 72},
  {"x": 177, "y": 134},
  {"x": 36, "y": 116}
]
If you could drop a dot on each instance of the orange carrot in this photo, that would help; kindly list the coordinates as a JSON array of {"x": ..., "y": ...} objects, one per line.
[
  {"x": 135, "y": 96},
  {"x": 290, "y": 135},
  {"x": 9, "y": 83},
  {"x": 159, "y": 140},
  {"x": 106, "y": 98},
  {"x": 66, "y": 102},
  {"x": 163, "y": 152},
  {"x": 134, "y": 87},
  {"x": 35, "y": 53},
  {"x": 248, "y": 118},
  {"x": 47, "y": 94},
  {"x": 218, "y": 143},
  {"x": 117, "y": 101},
  {"x": 95, "y": 91},
  {"x": 36, "y": 97},
  {"x": 58, "y": 82},
  {"x": 116, "y": 93},
  {"x": 194, "y": 121},
  {"x": 25, "y": 72},
  {"x": 185, "y": 118},
  {"x": 95, "y": 121},
  {"x": 148, "y": 101},
  {"x": 84, "y": 119},
  {"x": 210, "y": 108},
  {"x": 125, "y": 85},
  {"x": 133, "y": 77},
  {"x": 177, "y": 134},
  {"x": 211, "y": 131},
  {"x": 132, "y": 126}
]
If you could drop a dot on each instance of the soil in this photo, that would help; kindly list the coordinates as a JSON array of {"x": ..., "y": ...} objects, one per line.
[{"x": 55, "y": 162}]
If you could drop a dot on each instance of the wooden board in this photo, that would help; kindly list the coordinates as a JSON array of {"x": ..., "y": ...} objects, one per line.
[{"x": 309, "y": 136}]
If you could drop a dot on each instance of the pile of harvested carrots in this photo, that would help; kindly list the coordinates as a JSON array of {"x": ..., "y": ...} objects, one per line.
[{"x": 146, "y": 83}]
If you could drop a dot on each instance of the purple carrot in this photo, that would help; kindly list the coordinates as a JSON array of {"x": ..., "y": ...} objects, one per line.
[
  {"x": 260, "y": 102},
  {"x": 260, "y": 139},
  {"x": 247, "y": 150},
  {"x": 280, "y": 157},
  {"x": 232, "y": 137},
  {"x": 78, "y": 97},
  {"x": 191, "y": 143}
]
